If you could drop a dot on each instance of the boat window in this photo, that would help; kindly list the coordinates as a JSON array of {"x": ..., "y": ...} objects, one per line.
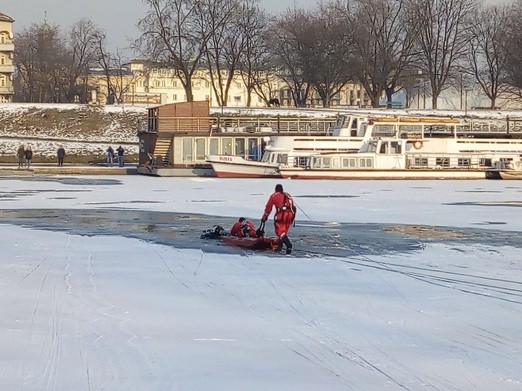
[
  {"x": 485, "y": 162},
  {"x": 383, "y": 130},
  {"x": 266, "y": 157},
  {"x": 442, "y": 162},
  {"x": 282, "y": 158},
  {"x": 384, "y": 148},
  {"x": 187, "y": 149},
  {"x": 316, "y": 162},
  {"x": 347, "y": 163},
  {"x": 464, "y": 161},
  {"x": 362, "y": 130},
  {"x": 366, "y": 162},
  {"x": 327, "y": 162},
  {"x": 396, "y": 147},
  {"x": 336, "y": 162},
  {"x": 200, "y": 149},
  {"x": 421, "y": 161},
  {"x": 213, "y": 146},
  {"x": 240, "y": 147},
  {"x": 301, "y": 161},
  {"x": 226, "y": 146},
  {"x": 372, "y": 146},
  {"x": 410, "y": 130},
  {"x": 253, "y": 149}
]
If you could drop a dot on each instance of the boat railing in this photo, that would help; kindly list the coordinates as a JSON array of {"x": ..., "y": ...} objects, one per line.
[{"x": 237, "y": 124}]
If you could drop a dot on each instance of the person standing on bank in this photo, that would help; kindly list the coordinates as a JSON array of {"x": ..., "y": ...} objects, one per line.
[
  {"x": 120, "y": 151},
  {"x": 110, "y": 156},
  {"x": 284, "y": 215},
  {"x": 28, "y": 156},
  {"x": 20, "y": 154},
  {"x": 60, "y": 153}
]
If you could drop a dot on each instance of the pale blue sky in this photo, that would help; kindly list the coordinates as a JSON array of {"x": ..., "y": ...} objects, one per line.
[{"x": 117, "y": 17}]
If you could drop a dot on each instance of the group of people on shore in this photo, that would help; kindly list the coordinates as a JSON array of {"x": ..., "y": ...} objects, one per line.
[
  {"x": 285, "y": 211},
  {"x": 25, "y": 156},
  {"x": 111, "y": 154}
]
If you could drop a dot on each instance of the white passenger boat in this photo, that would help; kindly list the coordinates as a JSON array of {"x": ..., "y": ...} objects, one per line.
[
  {"x": 419, "y": 148},
  {"x": 392, "y": 158},
  {"x": 441, "y": 135},
  {"x": 347, "y": 135}
]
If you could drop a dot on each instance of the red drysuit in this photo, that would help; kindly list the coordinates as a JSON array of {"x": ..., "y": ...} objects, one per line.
[{"x": 285, "y": 212}]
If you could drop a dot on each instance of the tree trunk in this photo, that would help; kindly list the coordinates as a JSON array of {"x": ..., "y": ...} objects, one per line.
[{"x": 434, "y": 100}]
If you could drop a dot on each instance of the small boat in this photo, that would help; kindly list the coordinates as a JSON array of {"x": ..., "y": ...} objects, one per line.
[
  {"x": 510, "y": 174},
  {"x": 260, "y": 243}
]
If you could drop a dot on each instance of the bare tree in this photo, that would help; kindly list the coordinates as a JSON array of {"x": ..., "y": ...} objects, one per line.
[
  {"x": 83, "y": 51},
  {"x": 289, "y": 34},
  {"x": 314, "y": 51},
  {"x": 219, "y": 21},
  {"x": 255, "y": 61},
  {"x": 118, "y": 77},
  {"x": 332, "y": 59},
  {"x": 384, "y": 41},
  {"x": 443, "y": 38},
  {"x": 512, "y": 46},
  {"x": 487, "y": 56},
  {"x": 42, "y": 62},
  {"x": 171, "y": 35}
]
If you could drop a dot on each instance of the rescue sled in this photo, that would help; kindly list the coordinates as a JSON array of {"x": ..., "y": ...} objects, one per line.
[{"x": 260, "y": 243}]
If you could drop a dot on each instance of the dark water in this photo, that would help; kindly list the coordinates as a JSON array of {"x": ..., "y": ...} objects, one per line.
[{"x": 183, "y": 230}]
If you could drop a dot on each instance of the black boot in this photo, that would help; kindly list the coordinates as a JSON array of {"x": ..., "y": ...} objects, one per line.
[{"x": 287, "y": 243}]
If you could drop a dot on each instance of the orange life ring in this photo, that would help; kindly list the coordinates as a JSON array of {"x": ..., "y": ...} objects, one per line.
[{"x": 417, "y": 144}]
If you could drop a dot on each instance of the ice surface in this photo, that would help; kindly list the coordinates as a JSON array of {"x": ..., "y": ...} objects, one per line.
[{"x": 87, "y": 311}]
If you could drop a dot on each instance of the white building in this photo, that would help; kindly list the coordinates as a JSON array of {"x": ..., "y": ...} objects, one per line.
[{"x": 6, "y": 58}]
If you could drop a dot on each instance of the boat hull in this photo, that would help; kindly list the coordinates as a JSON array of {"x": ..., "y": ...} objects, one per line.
[
  {"x": 383, "y": 174},
  {"x": 510, "y": 174},
  {"x": 237, "y": 167},
  {"x": 261, "y": 243}
]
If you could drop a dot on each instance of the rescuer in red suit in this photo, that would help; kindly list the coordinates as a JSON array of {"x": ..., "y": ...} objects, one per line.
[
  {"x": 243, "y": 228},
  {"x": 284, "y": 215}
]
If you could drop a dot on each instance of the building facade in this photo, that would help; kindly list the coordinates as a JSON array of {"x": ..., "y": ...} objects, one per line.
[
  {"x": 6, "y": 58},
  {"x": 144, "y": 83}
]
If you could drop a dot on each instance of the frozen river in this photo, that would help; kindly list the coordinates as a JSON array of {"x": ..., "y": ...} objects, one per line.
[{"x": 105, "y": 284}]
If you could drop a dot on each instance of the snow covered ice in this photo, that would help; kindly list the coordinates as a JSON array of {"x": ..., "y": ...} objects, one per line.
[{"x": 105, "y": 308}]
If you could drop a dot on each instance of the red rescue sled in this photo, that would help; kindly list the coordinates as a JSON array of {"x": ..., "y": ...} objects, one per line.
[{"x": 260, "y": 243}]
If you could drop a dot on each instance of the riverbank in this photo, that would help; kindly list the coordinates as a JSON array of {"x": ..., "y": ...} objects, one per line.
[{"x": 47, "y": 169}]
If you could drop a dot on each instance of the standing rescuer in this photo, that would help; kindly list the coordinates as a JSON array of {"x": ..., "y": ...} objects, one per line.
[{"x": 284, "y": 215}]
